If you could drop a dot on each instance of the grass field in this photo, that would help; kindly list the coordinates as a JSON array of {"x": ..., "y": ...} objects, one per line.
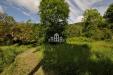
[{"x": 79, "y": 56}]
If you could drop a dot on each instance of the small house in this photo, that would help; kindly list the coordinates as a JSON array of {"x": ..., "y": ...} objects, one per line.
[{"x": 56, "y": 38}]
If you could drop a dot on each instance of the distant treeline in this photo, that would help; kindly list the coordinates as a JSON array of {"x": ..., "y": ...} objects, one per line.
[
  {"x": 21, "y": 33},
  {"x": 92, "y": 26}
]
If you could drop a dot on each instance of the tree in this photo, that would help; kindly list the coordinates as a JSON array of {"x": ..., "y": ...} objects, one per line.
[
  {"x": 2, "y": 15},
  {"x": 109, "y": 16},
  {"x": 6, "y": 23},
  {"x": 74, "y": 30},
  {"x": 54, "y": 15},
  {"x": 92, "y": 21}
]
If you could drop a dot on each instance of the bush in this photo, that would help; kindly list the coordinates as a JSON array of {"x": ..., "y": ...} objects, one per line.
[
  {"x": 74, "y": 30},
  {"x": 102, "y": 34}
]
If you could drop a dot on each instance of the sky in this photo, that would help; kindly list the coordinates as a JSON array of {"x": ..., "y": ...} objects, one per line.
[{"x": 23, "y": 10}]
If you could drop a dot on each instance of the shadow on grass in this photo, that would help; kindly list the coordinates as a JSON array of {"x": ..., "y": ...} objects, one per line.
[{"x": 71, "y": 59}]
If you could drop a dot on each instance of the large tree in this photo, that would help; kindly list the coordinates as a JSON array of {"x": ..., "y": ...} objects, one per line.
[
  {"x": 54, "y": 15},
  {"x": 6, "y": 23},
  {"x": 92, "y": 21},
  {"x": 109, "y": 16}
]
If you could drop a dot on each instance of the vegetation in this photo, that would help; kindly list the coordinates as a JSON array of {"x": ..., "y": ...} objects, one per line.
[
  {"x": 24, "y": 62},
  {"x": 8, "y": 54},
  {"x": 87, "y": 51},
  {"x": 80, "y": 56},
  {"x": 93, "y": 26},
  {"x": 25, "y": 34},
  {"x": 21, "y": 33},
  {"x": 54, "y": 15},
  {"x": 74, "y": 30},
  {"x": 109, "y": 13}
]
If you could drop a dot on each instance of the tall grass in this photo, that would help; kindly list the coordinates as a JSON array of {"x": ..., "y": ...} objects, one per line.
[
  {"x": 8, "y": 54},
  {"x": 80, "y": 56}
]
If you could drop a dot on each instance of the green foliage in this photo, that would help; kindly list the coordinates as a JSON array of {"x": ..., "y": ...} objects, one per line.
[
  {"x": 63, "y": 59},
  {"x": 22, "y": 32},
  {"x": 25, "y": 62},
  {"x": 1, "y": 28},
  {"x": 25, "y": 34},
  {"x": 109, "y": 14},
  {"x": 54, "y": 15},
  {"x": 37, "y": 34},
  {"x": 79, "y": 40},
  {"x": 92, "y": 19},
  {"x": 79, "y": 57},
  {"x": 5, "y": 29},
  {"x": 8, "y": 22},
  {"x": 8, "y": 54},
  {"x": 74, "y": 30},
  {"x": 95, "y": 26}
]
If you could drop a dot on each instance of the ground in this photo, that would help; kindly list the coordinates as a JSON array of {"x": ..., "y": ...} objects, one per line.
[
  {"x": 79, "y": 56},
  {"x": 25, "y": 62}
]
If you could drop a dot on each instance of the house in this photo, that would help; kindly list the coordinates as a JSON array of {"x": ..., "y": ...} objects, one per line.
[{"x": 56, "y": 38}]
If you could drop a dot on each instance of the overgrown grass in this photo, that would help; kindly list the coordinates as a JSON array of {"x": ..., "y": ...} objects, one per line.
[
  {"x": 8, "y": 54},
  {"x": 80, "y": 56},
  {"x": 25, "y": 62}
]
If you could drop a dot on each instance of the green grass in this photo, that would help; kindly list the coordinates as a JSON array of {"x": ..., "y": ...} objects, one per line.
[
  {"x": 8, "y": 54},
  {"x": 25, "y": 62},
  {"x": 80, "y": 56}
]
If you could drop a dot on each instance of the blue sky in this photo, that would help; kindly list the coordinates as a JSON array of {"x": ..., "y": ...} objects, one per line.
[{"x": 22, "y": 10}]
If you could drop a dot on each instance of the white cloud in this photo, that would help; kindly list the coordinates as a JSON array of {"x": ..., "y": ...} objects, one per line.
[
  {"x": 2, "y": 10},
  {"x": 75, "y": 19},
  {"x": 79, "y": 19},
  {"x": 31, "y": 5},
  {"x": 77, "y": 7},
  {"x": 102, "y": 9},
  {"x": 85, "y": 4},
  {"x": 25, "y": 13}
]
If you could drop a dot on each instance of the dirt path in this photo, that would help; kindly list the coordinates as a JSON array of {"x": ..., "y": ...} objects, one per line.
[{"x": 25, "y": 63}]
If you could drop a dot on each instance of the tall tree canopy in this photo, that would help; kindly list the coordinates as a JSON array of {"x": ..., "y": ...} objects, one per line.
[
  {"x": 6, "y": 23},
  {"x": 54, "y": 15},
  {"x": 92, "y": 20},
  {"x": 109, "y": 16}
]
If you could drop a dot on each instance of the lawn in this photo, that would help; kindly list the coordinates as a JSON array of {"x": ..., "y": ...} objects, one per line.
[{"x": 79, "y": 56}]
